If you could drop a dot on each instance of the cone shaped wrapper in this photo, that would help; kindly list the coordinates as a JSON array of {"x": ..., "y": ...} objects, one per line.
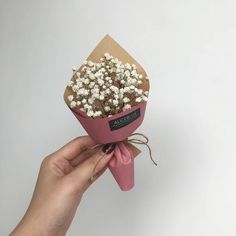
[
  {"x": 122, "y": 166},
  {"x": 118, "y": 127}
]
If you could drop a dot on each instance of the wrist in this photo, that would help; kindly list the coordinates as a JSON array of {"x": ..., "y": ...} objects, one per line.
[{"x": 31, "y": 225}]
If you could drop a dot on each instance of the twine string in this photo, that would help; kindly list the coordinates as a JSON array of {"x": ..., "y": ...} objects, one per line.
[{"x": 143, "y": 140}]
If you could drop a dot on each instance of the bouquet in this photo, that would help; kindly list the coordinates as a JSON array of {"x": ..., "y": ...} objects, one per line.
[{"x": 108, "y": 95}]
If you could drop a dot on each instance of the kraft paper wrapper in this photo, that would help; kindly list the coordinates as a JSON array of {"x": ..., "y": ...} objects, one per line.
[{"x": 122, "y": 163}]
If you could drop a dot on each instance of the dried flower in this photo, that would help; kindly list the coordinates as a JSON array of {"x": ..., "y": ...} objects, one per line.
[{"x": 106, "y": 87}]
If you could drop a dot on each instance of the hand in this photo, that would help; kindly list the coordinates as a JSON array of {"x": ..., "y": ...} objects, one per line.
[{"x": 63, "y": 178}]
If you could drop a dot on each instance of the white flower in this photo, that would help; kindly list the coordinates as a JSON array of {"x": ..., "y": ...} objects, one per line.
[
  {"x": 84, "y": 101},
  {"x": 90, "y": 113},
  {"x": 126, "y": 89},
  {"x": 128, "y": 66},
  {"x": 116, "y": 96},
  {"x": 70, "y": 98},
  {"x": 73, "y": 104},
  {"x": 86, "y": 81},
  {"x": 126, "y": 107},
  {"x": 125, "y": 99},
  {"x": 90, "y": 63},
  {"x": 91, "y": 85},
  {"x": 85, "y": 62},
  {"x": 107, "y": 108},
  {"x": 75, "y": 88},
  {"x": 87, "y": 106},
  {"x": 140, "y": 92},
  {"x": 101, "y": 97},
  {"x": 140, "y": 76},
  {"x": 122, "y": 81},
  {"x": 91, "y": 76},
  {"x": 91, "y": 100},
  {"x": 97, "y": 113},
  {"x": 95, "y": 96},
  {"x": 70, "y": 83},
  {"x": 107, "y": 56},
  {"x": 121, "y": 95},
  {"x": 146, "y": 93},
  {"x": 100, "y": 82},
  {"x": 139, "y": 99},
  {"x": 127, "y": 73},
  {"x": 114, "y": 89},
  {"x": 95, "y": 90},
  {"x": 115, "y": 102},
  {"x": 78, "y": 103},
  {"x": 144, "y": 98}
]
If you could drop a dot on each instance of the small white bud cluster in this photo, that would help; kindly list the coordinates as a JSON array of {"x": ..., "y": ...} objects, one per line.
[{"x": 106, "y": 88}]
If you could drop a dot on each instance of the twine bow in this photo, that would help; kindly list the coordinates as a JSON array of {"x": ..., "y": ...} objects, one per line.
[{"x": 143, "y": 140}]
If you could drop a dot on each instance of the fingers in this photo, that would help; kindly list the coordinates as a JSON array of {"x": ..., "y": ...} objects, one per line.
[
  {"x": 74, "y": 148},
  {"x": 83, "y": 156},
  {"x": 94, "y": 178},
  {"x": 92, "y": 166}
]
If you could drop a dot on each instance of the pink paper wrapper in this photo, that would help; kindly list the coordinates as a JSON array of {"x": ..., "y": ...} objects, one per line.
[
  {"x": 122, "y": 166},
  {"x": 115, "y": 128}
]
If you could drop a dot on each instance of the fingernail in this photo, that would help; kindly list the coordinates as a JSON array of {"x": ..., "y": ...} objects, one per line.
[{"x": 108, "y": 148}]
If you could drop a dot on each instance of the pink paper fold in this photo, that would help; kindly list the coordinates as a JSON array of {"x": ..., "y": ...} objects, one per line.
[{"x": 122, "y": 166}]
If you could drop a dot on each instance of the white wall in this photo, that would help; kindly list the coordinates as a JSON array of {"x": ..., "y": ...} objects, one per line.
[{"x": 188, "y": 49}]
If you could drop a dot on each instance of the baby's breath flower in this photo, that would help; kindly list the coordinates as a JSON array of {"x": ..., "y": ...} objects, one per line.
[
  {"x": 91, "y": 85},
  {"x": 110, "y": 82},
  {"x": 70, "y": 98},
  {"x": 139, "y": 99},
  {"x": 145, "y": 98},
  {"x": 91, "y": 100},
  {"x": 101, "y": 97},
  {"x": 74, "y": 69},
  {"x": 126, "y": 89},
  {"x": 90, "y": 63},
  {"x": 107, "y": 108},
  {"x": 90, "y": 113},
  {"x": 115, "y": 102},
  {"x": 97, "y": 113},
  {"x": 70, "y": 83},
  {"x": 86, "y": 81},
  {"x": 126, "y": 107},
  {"x": 73, "y": 104},
  {"x": 91, "y": 76},
  {"x": 125, "y": 99}
]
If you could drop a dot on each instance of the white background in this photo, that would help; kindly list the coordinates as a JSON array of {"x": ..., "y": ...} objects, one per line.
[{"x": 188, "y": 49}]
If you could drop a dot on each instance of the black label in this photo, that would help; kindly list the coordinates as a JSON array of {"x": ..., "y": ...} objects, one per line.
[{"x": 124, "y": 120}]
